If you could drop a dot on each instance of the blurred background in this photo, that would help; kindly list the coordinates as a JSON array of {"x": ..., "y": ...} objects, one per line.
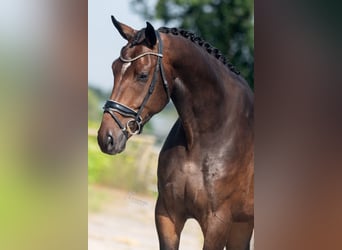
[
  {"x": 43, "y": 124},
  {"x": 122, "y": 189}
]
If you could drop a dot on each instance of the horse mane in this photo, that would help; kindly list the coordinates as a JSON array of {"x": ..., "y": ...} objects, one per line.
[
  {"x": 205, "y": 45},
  {"x": 140, "y": 36}
]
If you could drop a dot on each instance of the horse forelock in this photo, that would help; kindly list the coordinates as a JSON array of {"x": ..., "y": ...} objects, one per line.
[{"x": 138, "y": 38}]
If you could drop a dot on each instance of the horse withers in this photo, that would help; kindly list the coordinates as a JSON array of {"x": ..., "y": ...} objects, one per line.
[{"x": 206, "y": 166}]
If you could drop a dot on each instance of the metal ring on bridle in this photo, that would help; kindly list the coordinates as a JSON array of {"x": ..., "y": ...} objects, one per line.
[{"x": 128, "y": 128}]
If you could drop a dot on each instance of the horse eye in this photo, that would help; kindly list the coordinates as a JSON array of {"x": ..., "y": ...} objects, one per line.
[{"x": 143, "y": 77}]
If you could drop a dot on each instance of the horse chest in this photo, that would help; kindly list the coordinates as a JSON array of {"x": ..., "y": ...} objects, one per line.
[
  {"x": 193, "y": 187},
  {"x": 188, "y": 191}
]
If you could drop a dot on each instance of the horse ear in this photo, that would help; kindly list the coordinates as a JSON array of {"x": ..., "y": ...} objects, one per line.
[
  {"x": 125, "y": 31},
  {"x": 150, "y": 35}
]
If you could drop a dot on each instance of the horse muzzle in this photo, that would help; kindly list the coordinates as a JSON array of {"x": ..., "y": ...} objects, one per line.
[{"x": 111, "y": 143}]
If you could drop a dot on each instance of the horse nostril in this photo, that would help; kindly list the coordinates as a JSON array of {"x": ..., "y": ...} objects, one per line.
[{"x": 110, "y": 141}]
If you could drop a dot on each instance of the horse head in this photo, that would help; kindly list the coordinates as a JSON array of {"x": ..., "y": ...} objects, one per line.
[{"x": 140, "y": 87}]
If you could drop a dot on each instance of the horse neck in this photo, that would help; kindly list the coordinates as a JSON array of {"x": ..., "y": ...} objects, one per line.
[{"x": 210, "y": 99}]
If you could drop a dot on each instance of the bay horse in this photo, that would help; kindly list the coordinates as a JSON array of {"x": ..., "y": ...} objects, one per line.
[{"x": 206, "y": 166}]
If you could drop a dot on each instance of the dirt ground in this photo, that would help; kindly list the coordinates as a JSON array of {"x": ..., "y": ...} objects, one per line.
[{"x": 126, "y": 221}]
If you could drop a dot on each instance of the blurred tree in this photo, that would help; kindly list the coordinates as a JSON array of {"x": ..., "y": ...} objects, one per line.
[{"x": 226, "y": 24}]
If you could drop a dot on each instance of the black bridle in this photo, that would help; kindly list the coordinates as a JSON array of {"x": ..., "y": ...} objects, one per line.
[{"x": 134, "y": 125}]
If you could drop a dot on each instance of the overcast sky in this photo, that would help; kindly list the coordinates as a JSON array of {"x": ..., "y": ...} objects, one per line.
[{"x": 104, "y": 42}]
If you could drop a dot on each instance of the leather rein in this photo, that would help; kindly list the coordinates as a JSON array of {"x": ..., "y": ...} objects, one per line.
[{"x": 135, "y": 124}]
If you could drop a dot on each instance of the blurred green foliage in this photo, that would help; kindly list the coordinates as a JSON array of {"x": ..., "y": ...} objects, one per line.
[
  {"x": 96, "y": 98},
  {"x": 133, "y": 170},
  {"x": 226, "y": 24}
]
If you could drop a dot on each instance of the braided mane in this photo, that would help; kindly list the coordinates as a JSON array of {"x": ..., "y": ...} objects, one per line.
[{"x": 205, "y": 45}]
